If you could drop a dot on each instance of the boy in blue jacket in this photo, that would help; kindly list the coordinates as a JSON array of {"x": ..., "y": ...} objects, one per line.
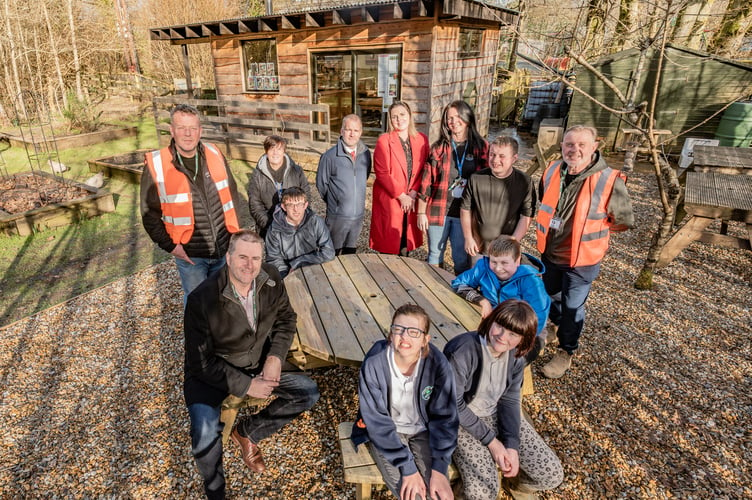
[{"x": 501, "y": 276}]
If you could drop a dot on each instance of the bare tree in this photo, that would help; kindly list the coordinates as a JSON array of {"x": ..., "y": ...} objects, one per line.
[{"x": 737, "y": 23}]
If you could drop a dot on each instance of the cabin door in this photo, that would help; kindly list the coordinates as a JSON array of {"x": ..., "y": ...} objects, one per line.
[{"x": 364, "y": 82}]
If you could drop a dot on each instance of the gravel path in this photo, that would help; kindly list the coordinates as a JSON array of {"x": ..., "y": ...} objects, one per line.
[{"x": 658, "y": 403}]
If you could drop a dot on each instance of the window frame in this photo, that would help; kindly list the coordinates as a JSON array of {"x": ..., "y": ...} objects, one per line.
[
  {"x": 267, "y": 79},
  {"x": 464, "y": 48}
]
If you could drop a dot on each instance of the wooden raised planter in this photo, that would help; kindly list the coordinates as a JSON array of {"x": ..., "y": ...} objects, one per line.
[
  {"x": 78, "y": 140},
  {"x": 97, "y": 202},
  {"x": 128, "y": 166}
]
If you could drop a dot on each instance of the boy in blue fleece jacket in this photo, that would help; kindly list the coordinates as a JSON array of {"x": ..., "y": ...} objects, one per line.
[{"x": 501, "y": 276}]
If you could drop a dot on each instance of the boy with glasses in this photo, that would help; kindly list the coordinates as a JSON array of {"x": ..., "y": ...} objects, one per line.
[{"x": 297, "y": 236}]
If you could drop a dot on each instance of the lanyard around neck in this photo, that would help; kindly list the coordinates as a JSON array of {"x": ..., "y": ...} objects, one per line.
[
  {"x": 195, "y": 158},
  {"x": 460, "y": 161}
]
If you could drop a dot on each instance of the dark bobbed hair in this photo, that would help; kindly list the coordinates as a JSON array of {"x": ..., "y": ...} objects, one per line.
[
  {"x": 516, "y": 316},
  {"x": 417, "y": 312}
]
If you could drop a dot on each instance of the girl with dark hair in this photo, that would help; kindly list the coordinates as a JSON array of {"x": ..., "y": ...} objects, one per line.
[
  {"x": 488, "y": 367},
  {"x": 408, "y": 413},
  {"x": 460, "y": 152},
  {"x": 397, "y": 162}
]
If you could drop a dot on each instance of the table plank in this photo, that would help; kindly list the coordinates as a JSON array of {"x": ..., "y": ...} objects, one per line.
[
  {"x": 445, "y": 324},
  {"x": 464, "y": 312},
  {"x": 378, "y": 305},
  {"x": 339, "y": 332},
  {"x": 366, "y": 329},
  {"x": 722, "y": 196},
  {"x": 739, "y": 159},
  {"x": 313, "y": 339}
]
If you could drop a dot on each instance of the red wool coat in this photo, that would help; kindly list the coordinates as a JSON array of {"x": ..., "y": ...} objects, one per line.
[{"x": 390, "y": 167}]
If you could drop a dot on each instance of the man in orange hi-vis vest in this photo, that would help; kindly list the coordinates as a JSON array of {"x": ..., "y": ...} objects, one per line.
[
  {"x": 189, "y": 200},
  {"x": 582, "y": 201}
]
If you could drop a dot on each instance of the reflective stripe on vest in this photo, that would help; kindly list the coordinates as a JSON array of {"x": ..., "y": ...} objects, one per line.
[
  {"x": 222, "y": 183},
  {"x": 548, "y": 204},
  {"x": 175, "y": 196},
  {"x": 590, "y": 225}
]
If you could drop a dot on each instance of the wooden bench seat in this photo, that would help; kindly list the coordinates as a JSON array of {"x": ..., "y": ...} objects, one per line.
[
  {"x": 230, "y": 408},
  {"x": 360, "y": 468}
]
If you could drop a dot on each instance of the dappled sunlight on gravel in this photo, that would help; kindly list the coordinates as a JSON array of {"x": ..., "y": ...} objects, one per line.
[{"x": 658, "y": 403}]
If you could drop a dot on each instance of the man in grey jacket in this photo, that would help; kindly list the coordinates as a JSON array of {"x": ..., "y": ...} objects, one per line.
[
  {"x": 297, "y": 237},
  {"x": 341, "y": 181}
]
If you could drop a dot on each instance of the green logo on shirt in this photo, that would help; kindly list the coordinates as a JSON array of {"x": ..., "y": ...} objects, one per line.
[{"x": 426, "y": 394}]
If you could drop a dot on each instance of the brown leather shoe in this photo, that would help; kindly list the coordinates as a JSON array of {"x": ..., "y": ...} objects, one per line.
[{"x": 250, "y": 452}]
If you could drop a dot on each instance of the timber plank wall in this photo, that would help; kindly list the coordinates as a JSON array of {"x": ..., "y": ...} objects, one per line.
[{"x": 432, "y": 73}]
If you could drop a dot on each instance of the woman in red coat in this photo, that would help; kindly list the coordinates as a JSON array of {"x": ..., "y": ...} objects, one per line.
[{"x": 397, "y": 161}]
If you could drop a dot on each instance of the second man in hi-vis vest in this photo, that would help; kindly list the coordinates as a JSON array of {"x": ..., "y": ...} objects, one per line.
[{"x": 582, "y": 201}]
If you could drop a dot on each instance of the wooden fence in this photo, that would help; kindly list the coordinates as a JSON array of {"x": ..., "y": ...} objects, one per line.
[{"x": 240, "y": 127}]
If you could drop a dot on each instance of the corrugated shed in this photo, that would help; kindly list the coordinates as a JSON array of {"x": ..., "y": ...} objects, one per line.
[{"x": 694, "y": 86}]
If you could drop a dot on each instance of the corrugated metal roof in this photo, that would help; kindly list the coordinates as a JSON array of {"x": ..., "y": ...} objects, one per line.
[{"x": 315, "y": 12}]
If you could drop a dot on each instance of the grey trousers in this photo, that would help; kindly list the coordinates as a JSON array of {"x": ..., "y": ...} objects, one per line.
[{"x": 421, "y": 450}]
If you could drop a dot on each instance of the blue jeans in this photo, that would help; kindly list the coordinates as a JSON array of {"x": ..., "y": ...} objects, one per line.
[
  {"x": 437, "y": 239},
  {"x": 569, "y": 288},
  {"x": 192, "y": 275},
  {"x": 206, "y": 447},
  {"x": 295, "y": 393}
]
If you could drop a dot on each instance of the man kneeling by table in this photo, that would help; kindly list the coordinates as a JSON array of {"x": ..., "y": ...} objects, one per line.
[{"x": 239, "y": 325}]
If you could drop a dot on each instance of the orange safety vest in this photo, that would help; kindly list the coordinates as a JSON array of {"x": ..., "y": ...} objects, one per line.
[
  {"x": 175, "y": 192},
  {"x": 590, "y": 223}
]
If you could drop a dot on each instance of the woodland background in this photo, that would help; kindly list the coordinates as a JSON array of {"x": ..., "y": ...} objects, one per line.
[{"x": 69, "y": 51}]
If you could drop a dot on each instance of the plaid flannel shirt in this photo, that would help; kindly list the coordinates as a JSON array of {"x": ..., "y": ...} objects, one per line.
[{"x": 434, "y": 184}]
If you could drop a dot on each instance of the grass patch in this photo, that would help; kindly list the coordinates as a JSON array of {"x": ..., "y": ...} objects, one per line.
[{"x": 52, "y": 266}]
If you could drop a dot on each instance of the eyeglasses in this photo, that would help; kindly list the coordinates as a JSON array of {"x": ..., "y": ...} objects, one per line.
[
  {"x": 297, "y": 204},
  {"x": 411, "y": 332}
]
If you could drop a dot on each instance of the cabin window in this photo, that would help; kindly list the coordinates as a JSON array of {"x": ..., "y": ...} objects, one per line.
[
  {"x": 260, "y": 65},
  {"x": 470, "y": 42}
]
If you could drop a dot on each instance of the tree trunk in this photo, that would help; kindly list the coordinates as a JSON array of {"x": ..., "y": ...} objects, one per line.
[
  {"x": 74, "y": 46},
  {"x": 668, "y": 184},
  {"x": 55, "y": 55},
  {"x": 596, "y": 26},
  {"x": 628, "y": 24},
  {"x": 13, "y": 55}
]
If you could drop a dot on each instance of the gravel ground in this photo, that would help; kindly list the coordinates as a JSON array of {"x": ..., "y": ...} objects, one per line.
[{"x": 658, "y": 403}]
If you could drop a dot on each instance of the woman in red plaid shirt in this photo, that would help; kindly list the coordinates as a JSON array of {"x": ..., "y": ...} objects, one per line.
[{"x": 460, "y": 152}]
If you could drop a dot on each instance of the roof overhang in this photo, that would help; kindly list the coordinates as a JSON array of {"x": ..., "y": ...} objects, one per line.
[{"x": 460, "y": 10}]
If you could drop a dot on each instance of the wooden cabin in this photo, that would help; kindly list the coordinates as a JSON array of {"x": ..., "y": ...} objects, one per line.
[{"x": 354, "y": 57}]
